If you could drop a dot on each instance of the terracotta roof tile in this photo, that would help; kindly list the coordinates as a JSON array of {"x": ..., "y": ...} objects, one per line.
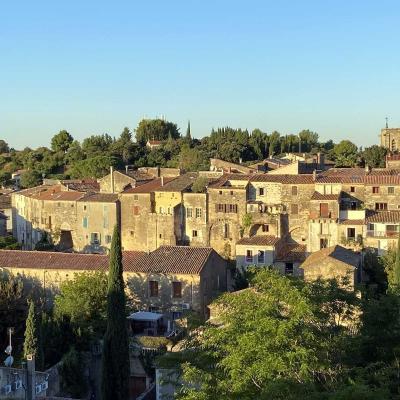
[
  {"x": 320, "y": 196},
  {"x": 166, "y": 259},
  {"x": 99, "y": 198},
  {"x": 352, "y": 222},
  {"x": 148, "y": 187},
  {"x": 385, "y": 217},
  {"x": 292, "y": 252},
  {"x": 180, "y": 183},
  {"x": 337, "y": 253},
  {"x": 266, "y": 240}
]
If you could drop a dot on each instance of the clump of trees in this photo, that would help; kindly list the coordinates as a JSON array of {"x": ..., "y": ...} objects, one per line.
[
  {"x": 68, "y": 158},
  {"x": 283, "y": 338}
]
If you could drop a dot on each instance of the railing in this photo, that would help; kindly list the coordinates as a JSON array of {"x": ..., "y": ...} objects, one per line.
[{"x": 384, "y": 234}]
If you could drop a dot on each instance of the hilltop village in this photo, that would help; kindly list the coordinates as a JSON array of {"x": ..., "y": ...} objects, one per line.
[{"x": 188, "y": 237}]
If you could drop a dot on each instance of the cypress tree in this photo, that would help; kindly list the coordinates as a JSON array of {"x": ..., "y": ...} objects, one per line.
[
  {"x": 396, "y": 269},
  {"x": 31, "y": 342},
  {"x": 116, "y": 367},
  {"x": 188, "y": 133}
]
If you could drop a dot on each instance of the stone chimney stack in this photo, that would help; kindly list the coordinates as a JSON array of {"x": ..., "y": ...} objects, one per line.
[
  {"x": 162, "y": 181},
  {"x": 314, "y": 175},
  {"x": 320, "y": 160},
  {"x": 367, "y": 169}
]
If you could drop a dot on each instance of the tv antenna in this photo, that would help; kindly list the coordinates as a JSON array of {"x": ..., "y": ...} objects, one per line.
[
  {"x": 10, "y": 359},
  {"x": 387, "y": 125}
]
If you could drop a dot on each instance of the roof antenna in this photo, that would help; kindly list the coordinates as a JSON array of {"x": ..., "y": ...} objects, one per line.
[{"x": 387, "y": 126}]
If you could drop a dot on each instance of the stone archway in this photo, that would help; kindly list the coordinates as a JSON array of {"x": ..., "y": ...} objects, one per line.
[{"x": 66, "y": 242}]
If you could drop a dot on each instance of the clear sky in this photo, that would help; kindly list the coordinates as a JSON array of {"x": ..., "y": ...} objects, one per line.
[{"x": 93, "y": 67}]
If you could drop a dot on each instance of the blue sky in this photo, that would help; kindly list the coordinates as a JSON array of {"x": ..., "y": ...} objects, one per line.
[{"x": 93, "y": 67}]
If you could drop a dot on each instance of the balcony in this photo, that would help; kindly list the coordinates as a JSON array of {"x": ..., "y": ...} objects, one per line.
[{"x": 383, "y": 234}]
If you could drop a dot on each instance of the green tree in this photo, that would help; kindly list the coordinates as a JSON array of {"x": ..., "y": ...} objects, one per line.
[
  {"x": 30, "y": 179},
  {"x": 32, "y": 336},
  {"x": 61, "y": 141},
  {"x": 97, "y": 145},
  {"x": 115, "y": 362},
  {"x": 155, "y": 129},
  {"x": 4, "y": 146},
  {"x": 308, "y": 139},
  {"x": 270, "y": 343},
  {"x": 200, "y": 185},
  {"x": 188, "y": 132},
  {"x": 95, "y": 167},
  {"x": 374, "y": 156},
  {"x": 345, "y": 154},
  {"x": 83, "y": 300},
  {"x": 74, "y": 153}
]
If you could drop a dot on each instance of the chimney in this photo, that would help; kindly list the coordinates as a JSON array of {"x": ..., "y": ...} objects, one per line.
[
  {"x": 126, "y": 168},
  {"x": 314, "y": 175},
  {"x": 162, "y": 181},
  {"x": 112, "y": 178},
  {"x": 321, "y": 160},
  {"x": 367, "y": 169}
]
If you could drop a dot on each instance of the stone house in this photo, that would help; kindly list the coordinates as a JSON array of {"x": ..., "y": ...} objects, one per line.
[
  {"x": 227, "y": 207},
  {"x": 118, "y": 181},
  {"x": 334, "y": 262},
  {"x": 195, "y": 219},
  {"x": 97, "y": 215},
  {"x": 170, "y": 279},
  {"x": 390, "y": 139}
]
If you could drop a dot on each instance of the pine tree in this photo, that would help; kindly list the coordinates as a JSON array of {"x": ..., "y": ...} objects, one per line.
[
  {"x": 115, "y": 368},
  {"x": 188, "y": 133},
  {"x": 31, "y": 343}
]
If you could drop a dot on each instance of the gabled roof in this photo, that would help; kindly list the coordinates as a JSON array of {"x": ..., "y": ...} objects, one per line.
[
  {"x": 336, "y": 253},
  {"x": 180, "y": 183},
  {"x": 259, "y": 240},
  {"x": 292, "y": 252},
  {"x": 225, "y": 181},
  {"x": 300, "y": 179}
]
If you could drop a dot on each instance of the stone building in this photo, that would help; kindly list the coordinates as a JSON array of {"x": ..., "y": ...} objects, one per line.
[
  {"x": 334, "y": 262},
  {"x": 390, "y": 139},
  {"x": 169, "y": 280}
]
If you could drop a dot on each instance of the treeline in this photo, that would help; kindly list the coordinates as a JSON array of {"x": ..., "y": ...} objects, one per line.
[{"x": 68, "y": 158}]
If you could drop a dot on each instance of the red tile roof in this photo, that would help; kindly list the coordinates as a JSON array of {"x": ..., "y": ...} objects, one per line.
[
  {"x": 352, "y": 222},
  {"x": 329, "y": 197},
  {"x": 385, "y": 217},
  {"x": 292, "y": 252},
  {"x": 166, "y": 259},
  {"x": 337, "y": 253},
  {"x": 266, "y": 240},
  {"x": 99, "y": 198},
  {"x": 148, "y": 187}
]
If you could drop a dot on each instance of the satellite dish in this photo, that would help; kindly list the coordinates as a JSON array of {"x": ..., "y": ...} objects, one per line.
[
  {"x": 8, "y": 350},
  {"x": 9, "y": 361}
]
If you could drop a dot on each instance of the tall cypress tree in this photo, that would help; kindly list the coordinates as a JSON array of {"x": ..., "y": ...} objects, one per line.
[
  {"x": 188, "y": 133},
  {"x": 31, "y": 342},
  {"x": 396, "y": 268},
  {"x": 115, "y": 368}
]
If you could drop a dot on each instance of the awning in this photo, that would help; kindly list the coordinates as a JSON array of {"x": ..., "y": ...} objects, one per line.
[{"x": 145, "y": 316}]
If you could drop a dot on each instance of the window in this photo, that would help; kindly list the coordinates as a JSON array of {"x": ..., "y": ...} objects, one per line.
[
  {"x": 226, "y": 231},
  {"x": 249, "y": 256},
  {"x": 231, "y": 192},
  {"x": 153, "y": 285},
  {"x": 289, "y": 268},
  {"x": 194, "y": 233},
  {"x": 380, "y": 206},
  {"x": 391, "y": 190},
  {"x": 177, "y": 289},
  {"x": 352, "y": 189},
  {"x": 375, "y": 189},
  {"x": 189, "y": 212},
  {"x": 261, "y": 256},
  {"x": 198, "y": 212},
  {"x": 265, "y": 228},
  {"x": 294, "y": 209},
  {"x": 351, "y": 233},
  {"x": 220, "y": 192},
  {"x": 135, "y": 197},
  {"x": 136, "y": 210},
  {"x": 220, "y": 207},
  {"x": 161, "y": 210},
  {"x": 233, "y": 208},
  {"x": 261, "y": 191},
  {"x": 108, "y": 239},
  {"x": 84, "y": 208},
  {"x": 95, "y": 238},
  {"x": 105, "y": 222},
  {"x": 294, "y": 190},
  {"x": 85, "y": 221}
]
